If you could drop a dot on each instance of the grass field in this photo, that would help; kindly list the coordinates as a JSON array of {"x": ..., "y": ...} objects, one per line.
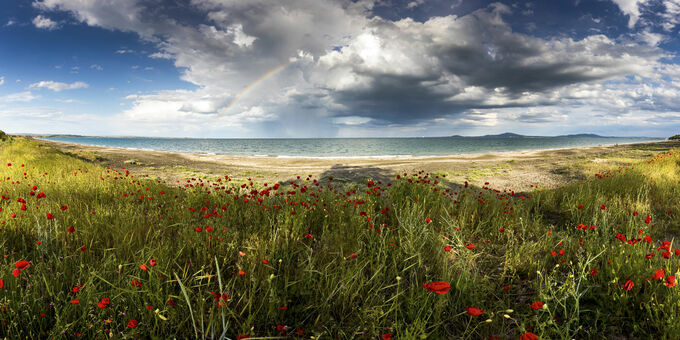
[{"x": 95, "y": 252}]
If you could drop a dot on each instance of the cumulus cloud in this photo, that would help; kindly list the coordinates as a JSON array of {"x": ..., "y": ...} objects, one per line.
[
  {"x": 58, "y": 86},
  {"x": 2, "y": 80},
  {"x": 97, "y": 67},
  {"x": 45, "y": 23}
]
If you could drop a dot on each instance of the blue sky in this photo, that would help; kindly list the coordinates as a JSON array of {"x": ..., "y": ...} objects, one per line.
[{"x": 325, "y": 68}]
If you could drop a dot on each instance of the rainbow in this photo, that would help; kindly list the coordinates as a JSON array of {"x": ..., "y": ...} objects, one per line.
[{"x": 254, "y": 84}]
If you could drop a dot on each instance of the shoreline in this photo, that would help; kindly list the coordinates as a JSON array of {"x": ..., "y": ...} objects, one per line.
[
  {"x": 339, "y": 158},
  {"x": 517, "y": 170}
]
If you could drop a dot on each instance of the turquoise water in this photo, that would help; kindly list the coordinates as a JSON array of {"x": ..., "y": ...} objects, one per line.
[{"x": 350, "y": 147}]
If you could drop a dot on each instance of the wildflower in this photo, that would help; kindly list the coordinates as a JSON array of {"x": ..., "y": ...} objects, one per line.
[
  {"x": 75, "y": 301},
  {"x": 528, "y": 336},
  {"x": 447, "y": 248},
  {"x": 439, "y": 287},
  {"x": 470, "y": 246},
  {"x": 152, "y": 262},
  {"x": 50, "y": 216},
  {"x": 242, "y": 336},
  {"x": 132, "y": 323},
  {"x": 103, "y": 303},
  {"x": 670, "y": 281},
  {"x": 537, "y": 305},
  {"x": 428, "y": 220},
  {"x": 628, "y": 285},
  {"x": 593, "y": 272},
  {"x": 474, "y": 311},
  {"x": 603, "y": 207},
  {"x": 143, "y": 267},
  {"x": 136, "y": 283},
  {"x": 659, "y": 274},
  {"x": 241, "y": 272}
]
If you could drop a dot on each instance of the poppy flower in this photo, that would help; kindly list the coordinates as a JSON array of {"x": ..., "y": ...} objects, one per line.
[
  {"x": 439, "y": 287},
  {"x": 635, "y": 213},
  {"x": 670, "y": 281},
  {"x": 63, "y": 207},
  {"x": 603, "y": 207},
  {"x": 242, "y": 336},
  {"x": 659, "y": 274},
  {"x": 580, "y": 206},
  {"x": 470, "y": 246},
  {"x": 136, "y": 283},
  {"x": 528, "y": 336},
  {"x": 1, "y": 283},
  {"x": 152, "y": 262},
  {"x": 593, "y": 272},
  {"x": 386, "y": 336},
  {"x": 75, "y": 301},
  {"x": 50, "y": 216},
  {"x": 132, "y": 323},
  {"x": 71, "y": 230},
  {"x": 474, "y": 311},
  {"x": 241, "y": 272},
  {"x": 16, "y": 272},
  {"x": 103, "y": 303},
  {"x": 447, "y": 248},
  {"x": 628, "y": 285},
  {"x": 143, "y": 267},
  {"x": 21, "y": 265},
  {"x": 428, "y": 220},
  {"x": 537, "y": 305}
]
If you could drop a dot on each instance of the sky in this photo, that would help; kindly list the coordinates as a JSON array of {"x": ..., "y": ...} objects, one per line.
[{"x": 339, "y": 68}]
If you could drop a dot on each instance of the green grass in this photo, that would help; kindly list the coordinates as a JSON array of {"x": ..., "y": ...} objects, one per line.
[{"x": 351, "y": 262}]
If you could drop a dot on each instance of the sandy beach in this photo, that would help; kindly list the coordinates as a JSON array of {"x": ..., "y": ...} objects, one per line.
[{"x": 515, "y": 170}]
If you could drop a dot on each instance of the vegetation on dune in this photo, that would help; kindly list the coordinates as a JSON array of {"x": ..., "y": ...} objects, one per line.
[
  {"x": 92, "y": 251},
  {"x": 675, "y": 137}
]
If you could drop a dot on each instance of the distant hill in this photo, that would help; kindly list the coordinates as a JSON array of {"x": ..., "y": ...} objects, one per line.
[
  {"x": 505, "y": 135},
  {"x": 515, "y": 135}
]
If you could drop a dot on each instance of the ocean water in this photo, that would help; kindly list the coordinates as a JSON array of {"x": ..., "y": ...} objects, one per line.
[{"x": 349, "y": 147}]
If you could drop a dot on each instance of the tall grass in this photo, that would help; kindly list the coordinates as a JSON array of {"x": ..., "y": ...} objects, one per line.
[{"x": 316, "y": 258}]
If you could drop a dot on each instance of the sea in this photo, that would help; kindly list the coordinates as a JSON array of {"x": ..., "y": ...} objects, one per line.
[{"x": 351, "y": 147}]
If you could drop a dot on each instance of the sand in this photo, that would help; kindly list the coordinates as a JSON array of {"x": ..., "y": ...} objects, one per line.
[{"x": 507, "y": 170}]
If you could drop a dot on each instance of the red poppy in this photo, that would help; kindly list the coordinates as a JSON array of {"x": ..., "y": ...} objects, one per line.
[
  {"x": 428, "y": 220},
  {"x": 242, "y": 336},
  {"x": 447, "y": 248},
  {"x": 132, "y": 323},
  {"x": 21, "y": 265},
  {"x": 143, "y": 267},
  {"x": 670, "y": 281},
  {"x": 63, "y": 207},
  {"x": 1, "y": 283},
  {"x": 603, "y": 207},
  {"x": 628, "y": 285},
  {"x": 241, "y": 272},
  {"x": 537, "y": 305},
  {"x": 635, "y": 213},
  {"x": 593, "y": 272},
  {"x": 71, "y": 230},
  {"x": 386, "y": 336},
  {"x": 474, "y": 311},
  {"x": 75, "y": 301},
  {"x": 580, "y": 206},
  {"x": 50, "y": 216},
  {"x": 528, "y": 336},
  {"x": 152, "y": 262},
  {"x": 439, "y": 287},
  {"x": 16, "y": 272},
  {"x": 659, "y": 274},
  {"x": 309, "y": 236},
  {"x": 470, "y": 246},
  {"x": 136, "y": 283},
  {"x": 103, "y": 303}
]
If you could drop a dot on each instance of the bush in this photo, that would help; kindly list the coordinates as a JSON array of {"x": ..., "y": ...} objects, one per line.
[
  {"x": 676, "y": 137},
  {"x": 3, "y": 135}
]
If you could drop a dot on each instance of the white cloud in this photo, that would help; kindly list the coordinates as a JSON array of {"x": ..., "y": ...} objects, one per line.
[
  {"x": 25, "y": 96},
  {"x": 96, "y": 67},
  {"x": 45, "y": 23},
  {"x": 124, "y": 51},
  {"x": 57, "y": 86},
  {"x": 2, "y": 80},
  {"x": 10, "y": 22}
]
